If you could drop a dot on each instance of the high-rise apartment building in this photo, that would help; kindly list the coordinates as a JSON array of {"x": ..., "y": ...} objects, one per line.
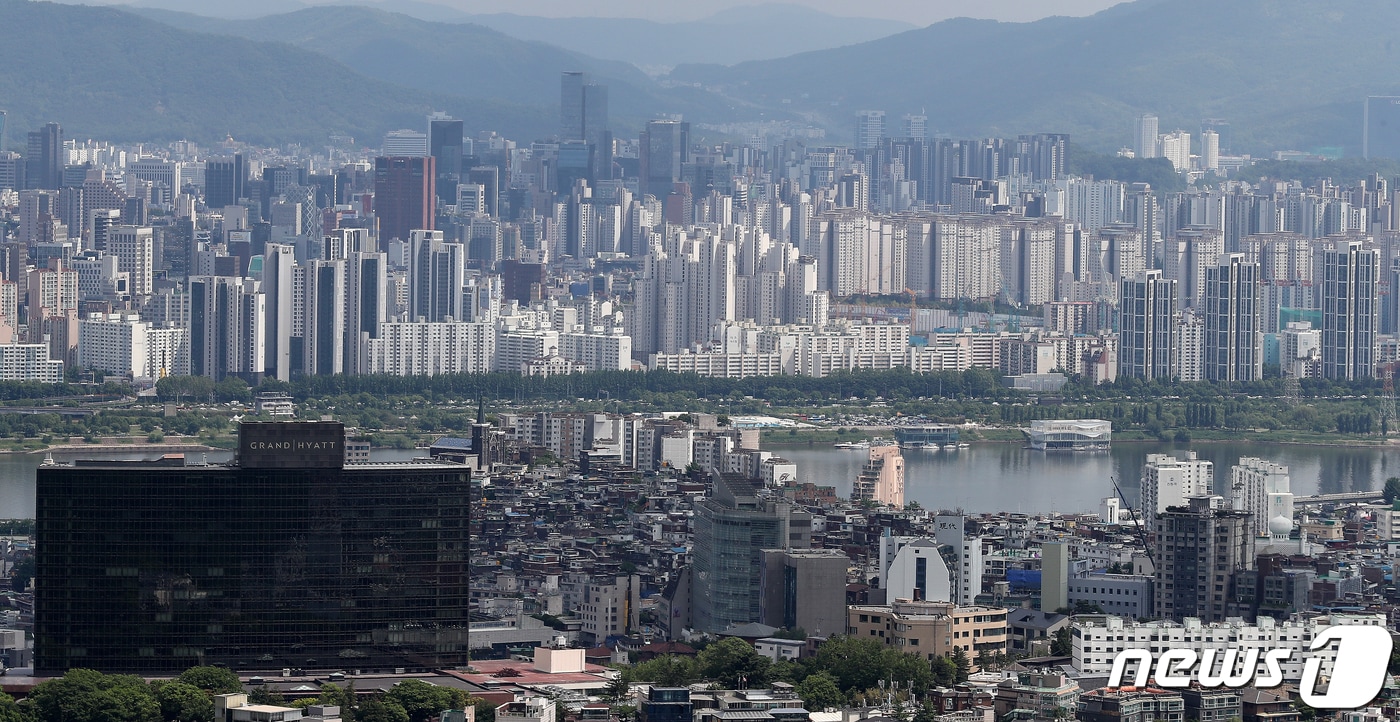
[
  {"x": 277, "y": 278},
  {"x": 1169, "y": 481},
  {"x": 1350, "y": 301},
  {"x": 325, "y": 311},
  {"x": 1234, "y": 342},
  {"x": 913, "y": 125},
  {"x": 285, "y": 543},
  {"x": 1261, "y": 488},
  {"x": 1176, "y": 147},
  {"x": 134, "y": 248},
  {"x": 228, "y": 332},
  {"x": 1145, "y": 136},
  {"x": 436, "y": 277},
  {"x": 870, "y": 128},
  {"x": 732, "y": 529},
  {"x": 1210, "y": 150},
  {"x": 367, "y": 304},
  {"x": 1147, "y": 326},
  {"x": 1198, "y": 549},
  {"x": 1186, "y": 255},
  {"x": 404, "y": 190}
]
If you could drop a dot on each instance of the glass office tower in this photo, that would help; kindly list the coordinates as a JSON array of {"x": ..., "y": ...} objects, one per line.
[{"x": 284, "y": 558}]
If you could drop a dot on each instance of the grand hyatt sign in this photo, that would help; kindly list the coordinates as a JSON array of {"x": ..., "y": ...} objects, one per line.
[{"x": 291, "y": 445}]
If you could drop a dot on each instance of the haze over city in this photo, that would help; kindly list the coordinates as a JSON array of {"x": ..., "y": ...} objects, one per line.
[{"x": 465, "y": 361}]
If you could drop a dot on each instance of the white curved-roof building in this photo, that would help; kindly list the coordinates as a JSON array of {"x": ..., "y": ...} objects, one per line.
[{"x": 1070, "y": 434}]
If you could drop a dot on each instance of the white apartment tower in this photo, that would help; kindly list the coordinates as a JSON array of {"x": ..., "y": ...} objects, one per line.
[
  {"x": 1145, "y": 136},
  {"x": 1176, "y": 147},
  {"x": 1169, "y": 481},
  {"x": 1261, "y": 488},
  {"x": 133, "y": 247}
]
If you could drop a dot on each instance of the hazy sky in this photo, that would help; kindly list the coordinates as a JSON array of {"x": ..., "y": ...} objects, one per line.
[{"x": 919, "y": 12}]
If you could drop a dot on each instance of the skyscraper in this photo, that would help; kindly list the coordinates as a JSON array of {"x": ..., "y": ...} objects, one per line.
[
  {"x": 1210, "y": 150},
  {"x": 1350, "y": 309},
  {"x": 367, "y": 304},
  {"x": 1199, "y": 547},
  {"x": 445, "y": 146},
  {"x": 134, "y": 247},
  {"x": 1185, "y": 257},
  {"x": 436, "y": 277},
  {"x": 1169, "y": 481},
  {"x": 870, "y": 128},
  {"x": 225, "y": 181},
  {"x": 286, "y": 543},
  {"x": 405, "y": 142},
  {"x": 3, "y": 117},
  {"x": 1145, "y": 136},
  {"x": 228, "y": 333},
  {"x": 663, "y": 147},
  {"x": 404, "y": 190},
  {"x": 1176, "y": 147},
  {"x": 913, "y": 126},
  {"x": 732, "y": 529},
  {"x": 1147, "y": 326},
  {"x": 583, "y": 108},
  {"x": 277, "y": 273},
  {"x": 489, "y": 178},
  {"x": 44, "y": 161},
  {"x": 325, "y": 310},
  {"x": 1380, "y": 127},
  {"x": 1234, "y": 343},
  {"x": 583, "y": 116}
]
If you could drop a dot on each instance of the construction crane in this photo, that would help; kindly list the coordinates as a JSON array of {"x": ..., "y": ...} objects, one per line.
[{"x": 1137, "y": 524}]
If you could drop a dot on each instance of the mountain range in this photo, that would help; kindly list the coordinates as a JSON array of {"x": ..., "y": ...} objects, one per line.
[
  {"x": 1284, "y": 73},
  {"x": 463, "y": 59},
  {"x": 106, "y": 73},
  {"x": 729, "y": 36}
]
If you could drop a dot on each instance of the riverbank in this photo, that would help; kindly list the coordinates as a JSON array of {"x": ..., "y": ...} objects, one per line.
[
  {"x": 1002, "y": 435},
  {"x": 114, "y": 445}
]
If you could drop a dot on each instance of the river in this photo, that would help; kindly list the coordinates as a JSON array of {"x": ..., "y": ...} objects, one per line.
[
  {"x": 1009, "y": 477},
  {"x": 981, "y": 478}
]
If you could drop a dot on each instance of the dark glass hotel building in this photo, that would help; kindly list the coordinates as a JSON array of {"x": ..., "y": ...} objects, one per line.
[{"x": 286, "y": 557}]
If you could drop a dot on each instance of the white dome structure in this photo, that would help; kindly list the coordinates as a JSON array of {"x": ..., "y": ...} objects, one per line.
[{"x": 1280, "y": 526}]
